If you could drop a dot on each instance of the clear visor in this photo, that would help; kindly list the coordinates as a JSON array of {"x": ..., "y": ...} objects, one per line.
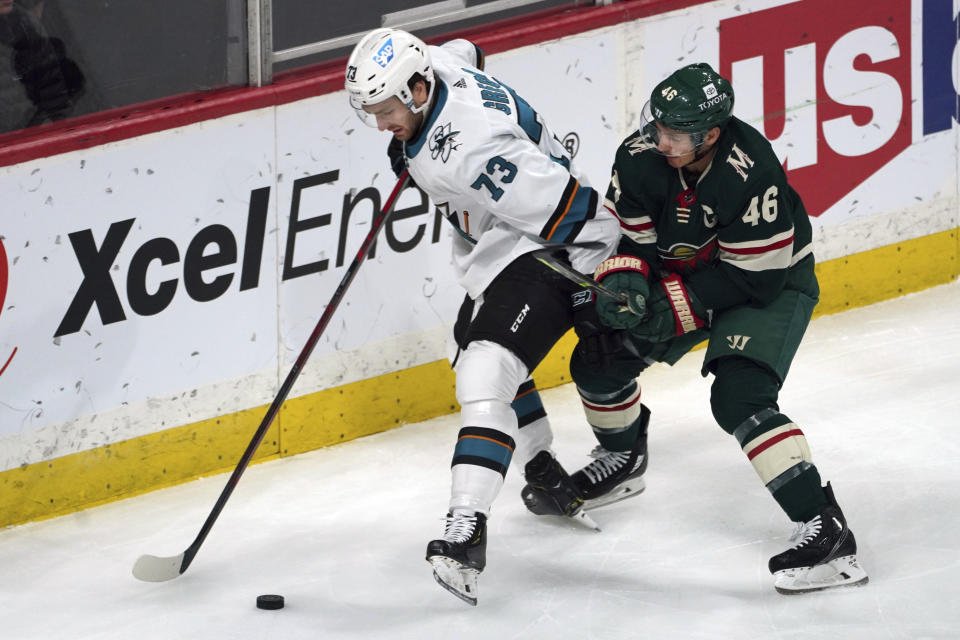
[
  {"x": 669, "y": 142},
  {"x": 365, "y": 117},
  {"x": 388, "y": 108}
]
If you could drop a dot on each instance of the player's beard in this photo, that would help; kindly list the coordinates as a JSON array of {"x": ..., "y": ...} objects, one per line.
[{"x": 410, "y": 129}]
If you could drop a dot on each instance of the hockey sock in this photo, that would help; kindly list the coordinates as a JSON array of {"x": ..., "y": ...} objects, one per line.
[
  {"x": 614, "y": 417},
  {"x": 534, "y": 434},
  {"x": 778, "y": 451}
]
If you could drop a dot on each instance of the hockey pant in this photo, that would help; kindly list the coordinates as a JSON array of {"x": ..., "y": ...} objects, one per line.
[{"x": 498, "y": 340}]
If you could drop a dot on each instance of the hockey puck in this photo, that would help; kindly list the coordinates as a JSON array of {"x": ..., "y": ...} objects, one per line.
[{"x": 269, "y": 601}]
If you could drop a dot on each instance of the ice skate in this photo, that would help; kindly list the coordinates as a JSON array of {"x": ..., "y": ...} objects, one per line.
[
  {"x": 614, "y": 475},
  {"x": 825, "y": 555},
  {"x": 550, "y": 491},
  {"x": 460, "y": 555}
]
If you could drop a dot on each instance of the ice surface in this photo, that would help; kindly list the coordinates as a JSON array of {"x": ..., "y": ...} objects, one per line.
[{"x": 341, "y": 532}]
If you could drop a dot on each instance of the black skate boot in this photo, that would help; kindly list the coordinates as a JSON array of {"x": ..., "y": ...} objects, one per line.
[
  {"x": 825, "y": 555},
  {"x": 460, "y": 555},
  {"x": 550, "y": 491},
  {"x": 614, "y": 475}
]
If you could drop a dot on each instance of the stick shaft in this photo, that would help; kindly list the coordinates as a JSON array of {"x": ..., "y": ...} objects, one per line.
[
  {"x": 549, "y": 258},
  {"x": 281, "y": 396}
]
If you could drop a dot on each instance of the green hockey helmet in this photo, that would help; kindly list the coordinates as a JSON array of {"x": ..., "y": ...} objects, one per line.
[{"x": 692, "y": 100}]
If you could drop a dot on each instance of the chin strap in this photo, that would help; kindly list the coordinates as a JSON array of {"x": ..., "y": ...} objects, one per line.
[
  {"x": 700, "y": 154},
  {"x": 423, "y": 112}
]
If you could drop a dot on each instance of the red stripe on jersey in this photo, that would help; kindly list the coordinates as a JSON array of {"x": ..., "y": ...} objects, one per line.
[
  {"x": 636, "y": 227},
  {"x": 763, "y": 446},
  {"x": 773, "y": 246},
  {"x": 630, "y": 227}
]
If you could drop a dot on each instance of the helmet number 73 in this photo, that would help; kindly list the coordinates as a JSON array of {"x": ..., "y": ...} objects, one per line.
[{"x": 496, "y": 166}]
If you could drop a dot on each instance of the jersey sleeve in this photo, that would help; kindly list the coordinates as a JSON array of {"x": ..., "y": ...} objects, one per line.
[
  {"x": 632, "y": 204},
  {"x": 537, "y": 194},
  {"x": 756, "y": 243},
  {"x": 465, "y": 52}
]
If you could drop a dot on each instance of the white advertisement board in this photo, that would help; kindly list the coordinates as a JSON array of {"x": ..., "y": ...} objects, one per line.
[{"x": 174, "y": 277}]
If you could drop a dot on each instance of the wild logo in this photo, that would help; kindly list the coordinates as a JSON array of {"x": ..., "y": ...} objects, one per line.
[
  {"x": 685, "y": 258},
  {"x": 4, "y": 277},
  {"x": 443, "y": 142}
]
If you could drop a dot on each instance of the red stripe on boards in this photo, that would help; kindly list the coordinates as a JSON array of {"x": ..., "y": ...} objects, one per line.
[{"x": 96, "y": 129}]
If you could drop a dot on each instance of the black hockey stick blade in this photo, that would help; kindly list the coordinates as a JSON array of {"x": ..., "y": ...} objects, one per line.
[
  {"x": 156, "y": 569},
  {"x": 549, "y": 258}
]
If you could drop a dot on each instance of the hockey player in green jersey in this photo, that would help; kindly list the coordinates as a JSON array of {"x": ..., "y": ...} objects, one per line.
[{"x": 715, "y": 245}]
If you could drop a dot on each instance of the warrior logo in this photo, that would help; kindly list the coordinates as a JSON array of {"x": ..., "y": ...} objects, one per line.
[
  {"x": 737, "y": 343},
  {"x": 443, "y": 142}
]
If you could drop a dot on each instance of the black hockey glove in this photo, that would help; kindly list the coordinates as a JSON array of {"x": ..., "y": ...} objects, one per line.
[
  {"x": 598, "y": 344},
  {"x": 398, "y": 161}
]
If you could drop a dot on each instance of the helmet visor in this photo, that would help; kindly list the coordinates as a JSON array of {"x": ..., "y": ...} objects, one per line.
[
  {"x": 366, "y": 117},
  {"x": 666, "y": 141},
  {"x": 388, "y": 108}
]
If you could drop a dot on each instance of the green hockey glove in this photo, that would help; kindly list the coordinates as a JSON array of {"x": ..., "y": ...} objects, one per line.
[
  {"x": 628, "y": 275},
  {"x": 672, "y": 310}
]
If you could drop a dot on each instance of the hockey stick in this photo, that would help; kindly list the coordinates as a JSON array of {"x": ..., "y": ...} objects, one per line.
[
  {"x": 155, "y": 569},
  {"x": 550, "y": 259}
]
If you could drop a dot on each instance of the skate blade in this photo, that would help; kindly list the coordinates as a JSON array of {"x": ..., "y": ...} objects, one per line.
[
  {"x": 455, "y": 578},
  {"x": 840, "y": 572},
  {"x": 581, "y": 517},
  {"x": 627, "y": 489}
]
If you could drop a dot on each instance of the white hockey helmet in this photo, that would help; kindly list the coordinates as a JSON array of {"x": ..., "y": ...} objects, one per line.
[{"x": 382, "y": 65}]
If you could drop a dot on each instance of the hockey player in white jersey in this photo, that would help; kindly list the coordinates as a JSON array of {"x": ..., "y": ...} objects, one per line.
[{"x": 490, "y": 164}]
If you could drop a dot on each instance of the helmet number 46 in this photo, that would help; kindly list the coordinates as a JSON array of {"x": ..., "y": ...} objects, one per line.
[
  {"x": 767, "y": 209},
  {"x": 669, "y": 93}
]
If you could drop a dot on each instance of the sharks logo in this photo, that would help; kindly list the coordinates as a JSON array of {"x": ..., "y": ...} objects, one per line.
[{"x": 443, "y": 142}]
